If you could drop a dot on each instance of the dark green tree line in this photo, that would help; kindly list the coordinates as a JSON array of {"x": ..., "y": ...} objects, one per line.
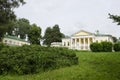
[{"x": 7, "y": 14}]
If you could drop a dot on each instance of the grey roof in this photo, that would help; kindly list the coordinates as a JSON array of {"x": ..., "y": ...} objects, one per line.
[{"x": 103, "y": 35}]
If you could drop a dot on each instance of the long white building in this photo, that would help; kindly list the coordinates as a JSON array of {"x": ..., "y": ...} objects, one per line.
[
  {"x": 82, "y": 40},
  {"x": 14, "y": 41}
]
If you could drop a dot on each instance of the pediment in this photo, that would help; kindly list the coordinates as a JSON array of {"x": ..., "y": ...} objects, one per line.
[{"x": 82, "y": 33}]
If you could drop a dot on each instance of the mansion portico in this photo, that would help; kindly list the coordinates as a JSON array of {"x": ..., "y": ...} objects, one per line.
[{"x": 82, "y": 40}]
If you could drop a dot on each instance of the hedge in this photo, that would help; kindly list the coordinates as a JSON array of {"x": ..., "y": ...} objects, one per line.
[
  {"x": 117, "y": 47},
  {"x": 101, "y": 47},
  {"x": 106, "y": 46},
  {"x": 34, "y": 59},
  {"x": 96, "y": 47}
]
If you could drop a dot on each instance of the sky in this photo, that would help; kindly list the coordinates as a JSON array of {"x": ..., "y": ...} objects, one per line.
[{"x": 72, "y": 15}]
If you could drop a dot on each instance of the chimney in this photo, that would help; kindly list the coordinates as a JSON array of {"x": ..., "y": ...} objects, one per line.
[
  {"x": 26, "y": 37},
  {"x": 13, "y": 32},
  {"x": 6, "y": 33},
  {"x": 97, "y": 32},
  {"x": 19, "y": 36}
]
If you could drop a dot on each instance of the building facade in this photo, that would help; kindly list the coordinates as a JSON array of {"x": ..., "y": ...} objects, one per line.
[
  {"x": 82, "y": 40},
  {"x": 14, "y": 41},
  {"x": 56, "y": 44}
]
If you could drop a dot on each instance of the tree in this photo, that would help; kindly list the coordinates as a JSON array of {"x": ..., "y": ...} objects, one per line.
[
  {"x": 6, "y": 10},
  {"x": 22, "y": 27},
  {"x": 57, "y": 35},
  {"x": 48, "y": 36},
  {"x": 6, "y": 28},
  {"x": 116, "y": 18},
  {"x": 34, "y": 34},
  {"x": 7, "y": 14},
  {"x": 53, "y": 35},
  {"x": 114, "y": 39}
]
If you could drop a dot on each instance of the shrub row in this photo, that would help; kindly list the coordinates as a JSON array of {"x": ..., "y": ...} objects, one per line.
[
  {"x": 34, "y": 58},
  {"x": 116, "y": 46},
  {"x": 101, "y": 47},
  {"x": 105, "y": 47}
]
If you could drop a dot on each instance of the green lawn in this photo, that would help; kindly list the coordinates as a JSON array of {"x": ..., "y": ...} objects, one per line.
[{"x": 92, "y": 66}]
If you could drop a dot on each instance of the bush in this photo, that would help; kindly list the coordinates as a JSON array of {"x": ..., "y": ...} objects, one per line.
[
  {"x": 101, "y": 47},
  {"x": 117, "y": 47},
  {"x": 96, "y": 47},
  {"x": 2, "y": 45},
  {"x": 106, "y": 46},
  {"x": 34, "y": 58}
]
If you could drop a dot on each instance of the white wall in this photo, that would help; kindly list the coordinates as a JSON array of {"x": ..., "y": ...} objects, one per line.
[{"x": 14, "y": 42}]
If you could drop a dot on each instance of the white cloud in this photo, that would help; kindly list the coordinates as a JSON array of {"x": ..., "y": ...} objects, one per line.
[{"x": 72, "y": 15}]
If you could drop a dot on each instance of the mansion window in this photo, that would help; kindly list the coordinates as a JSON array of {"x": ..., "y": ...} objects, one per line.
[
  {"x": 86, "y": 47},
  {"x": 68, "y": 44},
  {"x": 82, "y": 47},
  {"x": 5, "y": 41},
  {"x": 64, "y": 44},
  {"x": 91, "y": 40},
  {"x": 10, "y": 42}
]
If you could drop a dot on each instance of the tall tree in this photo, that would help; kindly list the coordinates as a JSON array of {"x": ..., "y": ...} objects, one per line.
[
  {"x": 57, "y": 35},
  {"x": 48, "y": 36},
  {"x": 22, "y": 27},
  {"x": 116, "y": 18},
  {"x": 34, "y": 34},
  {"x": 6, "y": 28},
  {"x": 7, "y": 14},
  {"x": 6, "y": 9},
  {"x": 53, "y": 35}
]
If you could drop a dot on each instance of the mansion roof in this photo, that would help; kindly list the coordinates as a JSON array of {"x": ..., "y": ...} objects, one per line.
[{"x": 14, "y": 38}]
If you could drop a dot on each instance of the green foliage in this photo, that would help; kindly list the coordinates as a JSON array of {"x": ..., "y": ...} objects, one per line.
[
  {"x": 7, "y": 13},
  {"x": 3, "y": 46},
  {"x": 53, "y": 35},
  {"x": 48, "y": 36},
  {"x": 116, "y": 18},
  {"x": 22, "y": 27},
  {"x": 106, "y": 46},
  {"x": 57, "y": 35},
  {"x": 2, "y": 32},
  {"x": 34, "y": 58},
  {"x": 6, "y": 9},
  {"x": 114, "y": 39},
  {"x": 117, "y": 46},
  {"x": 92, "y": 66},
  {"x": 101, "y": 47},
  {"x": 6, "y": 28},
  {"x": 96, "y": 47},
  {"x": 34, "y": 34}
]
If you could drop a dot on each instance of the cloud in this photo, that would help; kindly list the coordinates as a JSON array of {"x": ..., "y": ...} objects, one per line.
[{"x": 72, "y": 15}]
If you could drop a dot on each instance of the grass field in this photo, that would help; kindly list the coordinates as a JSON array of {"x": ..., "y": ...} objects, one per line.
[{"x": 92, "y": 66}]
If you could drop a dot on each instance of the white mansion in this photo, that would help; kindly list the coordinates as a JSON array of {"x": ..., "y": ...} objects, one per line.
[
  {"x": 14, "y": 41},
  {"x": 82, "y": 40}
]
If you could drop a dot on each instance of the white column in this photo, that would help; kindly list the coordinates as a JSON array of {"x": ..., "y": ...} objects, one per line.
[
  {"x": 88, "y": 43},
  {"x": 79, "y": 44},
  {"x": 75, "y": 44},
  {"x": 84, "y": 43},
  {"x": 71, "y": 45}
]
